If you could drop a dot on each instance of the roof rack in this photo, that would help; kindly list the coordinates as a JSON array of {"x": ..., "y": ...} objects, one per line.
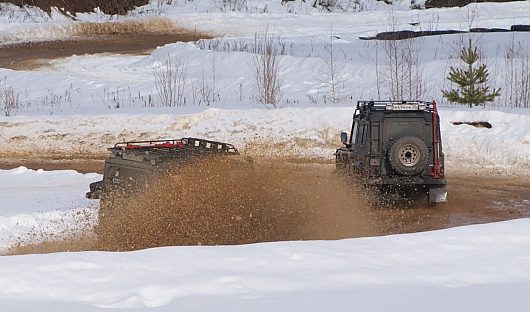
[
  {"x": 174, "y": 146},
  {"x": 395, "y": 106}
]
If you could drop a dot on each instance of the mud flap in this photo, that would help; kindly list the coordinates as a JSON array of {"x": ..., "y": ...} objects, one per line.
[{"x": 437, "y": 195}]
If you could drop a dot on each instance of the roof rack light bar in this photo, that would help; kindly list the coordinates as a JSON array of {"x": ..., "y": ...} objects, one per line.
[{"x": 395, "y": 105}]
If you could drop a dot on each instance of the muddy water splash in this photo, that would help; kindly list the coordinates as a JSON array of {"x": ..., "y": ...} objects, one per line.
[{"x": 214, "y": 203}]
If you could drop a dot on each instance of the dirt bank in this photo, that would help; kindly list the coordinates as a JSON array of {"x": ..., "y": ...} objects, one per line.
[
  {"x": 32, "y": 55},
  {"x": 80, "y": 165}
]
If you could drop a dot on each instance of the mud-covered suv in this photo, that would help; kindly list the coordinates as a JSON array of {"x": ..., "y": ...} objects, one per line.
[
  {"x": 132, "y": 164},
  {"x": 395, "y": 146}
]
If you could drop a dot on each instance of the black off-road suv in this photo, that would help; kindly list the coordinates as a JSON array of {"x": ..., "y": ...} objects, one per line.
[
  {"x": 143, "y": 171},
  {"x": 395, "y": 146},
  {"x": 131, "y": 164}
]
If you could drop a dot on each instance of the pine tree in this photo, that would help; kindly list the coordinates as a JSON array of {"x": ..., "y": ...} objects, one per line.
[{"x": 472, "y": 81}]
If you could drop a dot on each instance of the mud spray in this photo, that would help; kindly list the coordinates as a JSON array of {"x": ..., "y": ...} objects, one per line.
[{"x": 227, "y": 202}]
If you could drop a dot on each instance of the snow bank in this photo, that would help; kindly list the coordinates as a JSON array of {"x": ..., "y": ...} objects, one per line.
[
  {"x": 25, "y": 190},
  {"x": 481, "y": 267},
  {"x": 506, "y": 145},
  {"x": 39, "y": 205},
  {"x": 290, "y": 132}
]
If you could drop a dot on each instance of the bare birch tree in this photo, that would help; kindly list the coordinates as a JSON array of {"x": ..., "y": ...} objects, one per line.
[
  {"x": 170, "y": 81},
  {"x": 517, "y": 75},
  {"x": 333, "y": 71},
  {"x": 9, "y": 99},
  {"x": 400, "y": 76},
  {"x": 267, "y": 69}
]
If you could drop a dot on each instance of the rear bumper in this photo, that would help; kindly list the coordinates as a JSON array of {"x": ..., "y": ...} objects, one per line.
[
  {"x": 406, "y": 181},
  {"x": 436, "y": 190}
]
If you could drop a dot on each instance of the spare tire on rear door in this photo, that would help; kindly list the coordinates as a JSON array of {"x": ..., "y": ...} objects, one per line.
[{"x": 408, "y": 155}]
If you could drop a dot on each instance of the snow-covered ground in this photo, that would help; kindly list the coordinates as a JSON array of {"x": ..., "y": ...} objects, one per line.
[
  {"x": 40, "y": 205},
  {"x": 78, "y": 106}
]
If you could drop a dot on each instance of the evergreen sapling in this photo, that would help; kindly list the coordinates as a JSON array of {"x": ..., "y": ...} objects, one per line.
[{"x": 472, "y": 81}]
